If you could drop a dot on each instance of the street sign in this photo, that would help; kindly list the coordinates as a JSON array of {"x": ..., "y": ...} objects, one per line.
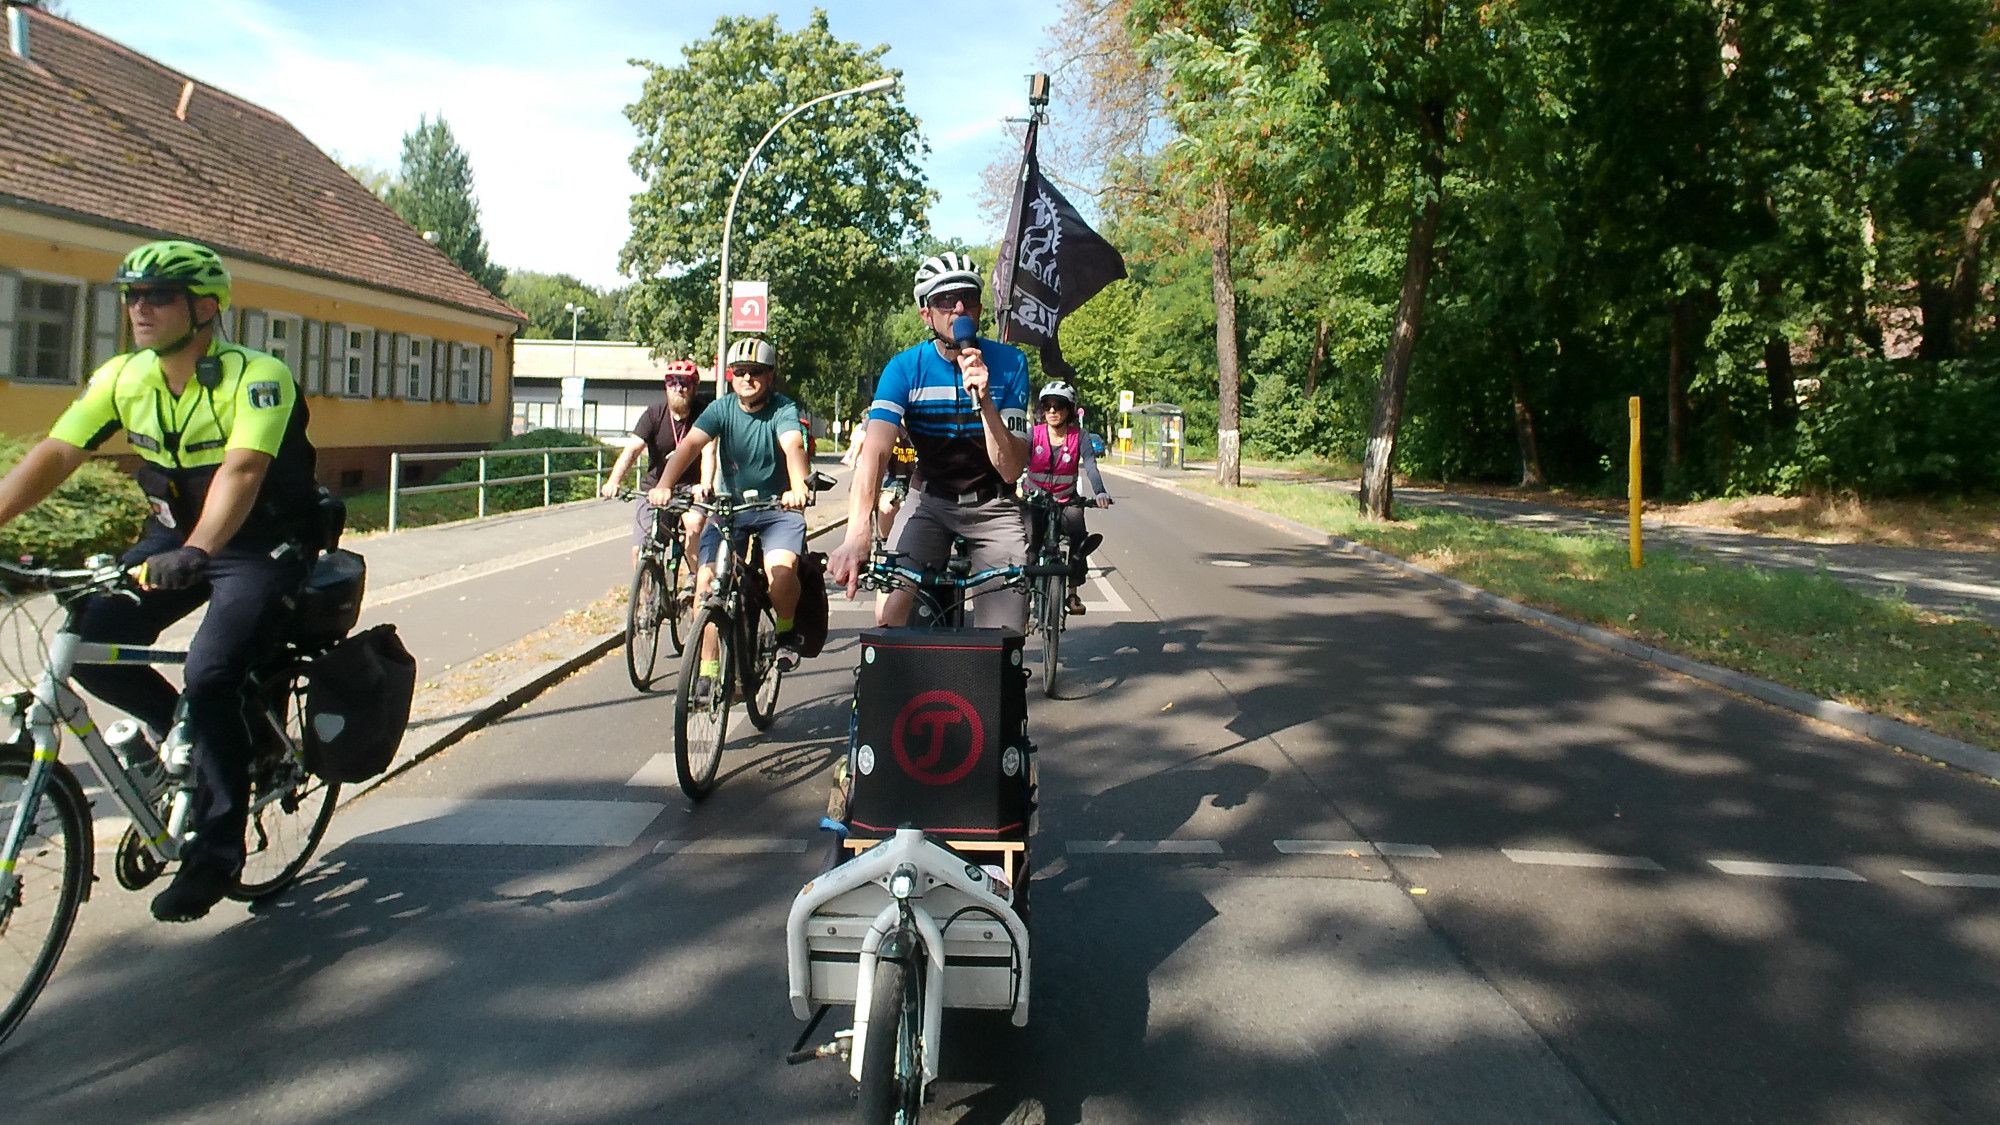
[
  {"x": 749, "y": 306},
  {"x": 1124, "y": 402},
  {"x": 572, "y": 392}
]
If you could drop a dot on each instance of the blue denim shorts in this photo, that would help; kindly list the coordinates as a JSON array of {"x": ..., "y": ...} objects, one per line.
[{"x": 781, "y": 531}]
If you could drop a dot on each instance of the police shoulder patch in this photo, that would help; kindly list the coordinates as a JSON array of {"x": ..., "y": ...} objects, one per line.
[{"x": 263, "y": 396}]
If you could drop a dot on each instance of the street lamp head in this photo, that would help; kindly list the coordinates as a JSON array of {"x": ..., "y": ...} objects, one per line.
[{"x": 887, "y": 82}]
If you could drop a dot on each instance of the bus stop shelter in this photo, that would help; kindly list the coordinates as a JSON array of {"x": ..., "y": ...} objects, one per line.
[{"x": 1158, "y": 434}]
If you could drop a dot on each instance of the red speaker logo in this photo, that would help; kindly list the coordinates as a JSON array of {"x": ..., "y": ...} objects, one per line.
[{"x": 937, "y": 738}]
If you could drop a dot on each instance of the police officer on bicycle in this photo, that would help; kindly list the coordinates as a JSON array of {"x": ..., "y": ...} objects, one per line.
[
  {"x": 965, "y": 411},
  {"x": 220, "y": 433}
]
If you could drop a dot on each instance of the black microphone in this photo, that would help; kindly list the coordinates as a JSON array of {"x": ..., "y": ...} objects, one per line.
[{"x": 963, "y": 329}]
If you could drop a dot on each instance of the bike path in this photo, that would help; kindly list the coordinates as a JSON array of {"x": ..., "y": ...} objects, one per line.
[
  {"x": 532, "y": 928},
  {"x": 1964, "y": 583}
]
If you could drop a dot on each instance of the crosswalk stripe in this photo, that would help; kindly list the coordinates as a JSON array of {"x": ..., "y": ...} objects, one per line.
[
  {"x": 731, "y": 846},
  {"x": 1143, "y": 847},
  {"x": 1356, "y": 847},
  {"x": 1581, "y": 859},
  {"x": 1955, "y": 879},
  {"x": 1761, "y": 870}
]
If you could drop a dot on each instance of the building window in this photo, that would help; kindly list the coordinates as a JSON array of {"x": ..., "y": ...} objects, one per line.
[
  {"x": 414, "y": 354},
  {"x": 47, "y": 321},
  {"x": 358, "y": 368}
]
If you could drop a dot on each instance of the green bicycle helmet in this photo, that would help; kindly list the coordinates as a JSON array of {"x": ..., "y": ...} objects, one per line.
[{"x": 174, "y": 262}]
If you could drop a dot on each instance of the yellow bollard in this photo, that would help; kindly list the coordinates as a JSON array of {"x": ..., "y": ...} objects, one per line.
[{"x": 1633, "y": 489}]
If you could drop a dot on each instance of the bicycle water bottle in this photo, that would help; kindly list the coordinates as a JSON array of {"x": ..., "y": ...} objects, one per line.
[
  {"x": 177, "y": 751},
  {"x": 134, "y": 747}
]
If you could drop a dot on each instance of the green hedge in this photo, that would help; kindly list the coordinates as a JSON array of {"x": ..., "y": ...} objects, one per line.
[{"x": 98, "y": 510}]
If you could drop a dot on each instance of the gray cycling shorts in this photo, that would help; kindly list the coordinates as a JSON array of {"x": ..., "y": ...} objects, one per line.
[{"x": 996, "y": 532}]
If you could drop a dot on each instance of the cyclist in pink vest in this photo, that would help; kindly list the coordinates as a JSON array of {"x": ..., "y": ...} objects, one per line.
[{"x": 1059, "y": 454}]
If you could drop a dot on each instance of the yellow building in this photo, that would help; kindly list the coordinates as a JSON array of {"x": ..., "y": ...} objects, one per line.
[{"x": 102, "y": 148}]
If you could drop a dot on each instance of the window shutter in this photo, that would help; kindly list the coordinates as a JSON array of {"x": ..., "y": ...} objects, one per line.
[
  {"x": 106, "y": 324},
  {"x": 312, "y": 357},
  {"x": 10, "y": 296},
  {"x": 256, "y": 325},
  {"x": 385, "y": 366},
  {"x": 440, "y": 372},
  {"x": 485, "y": 375}
]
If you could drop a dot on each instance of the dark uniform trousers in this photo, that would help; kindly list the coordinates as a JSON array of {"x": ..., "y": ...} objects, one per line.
[{"x": 245, "y": 590}]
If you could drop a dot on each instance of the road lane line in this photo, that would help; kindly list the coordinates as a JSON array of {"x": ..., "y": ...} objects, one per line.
[
  {"x": 1762, "y": 870},
  {"x": 1356, "y": 847},
  {"x": 1581, "y": 859},
  {"x": 415, "y": 586},
  {"x": 495, "y": 823},
  {"x": 1955, "y": 879},
  {"x": 745, "y": 845},
  {"x": 1113, "y": 601},
  {"x": 1143, "y": 847},
  {"x": 657, "y": 773}
]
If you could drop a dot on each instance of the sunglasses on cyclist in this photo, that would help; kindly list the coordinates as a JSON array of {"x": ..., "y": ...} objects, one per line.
[
  {"x": 683, "y": 384},
  {"x": 153, "y": 297},
  {"x": 750, "y": 372},
  {"x": 951, "y": 300}
]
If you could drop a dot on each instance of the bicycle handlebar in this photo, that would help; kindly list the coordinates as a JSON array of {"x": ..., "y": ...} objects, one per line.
[
  {"x": 66, "y": 580},
  {"x": 882, "y": 574}
]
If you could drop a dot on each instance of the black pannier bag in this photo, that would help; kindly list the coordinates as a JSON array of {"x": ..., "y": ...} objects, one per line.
[
  {"x": 330, "y": 601},
  {"x": 941, "y": 735},
  {"x": 358, "y": 704},
  {"x": 810, "y": 620}
]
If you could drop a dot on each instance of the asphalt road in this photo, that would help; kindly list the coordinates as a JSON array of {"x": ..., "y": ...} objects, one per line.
[{"x": 1318, "y": 843}]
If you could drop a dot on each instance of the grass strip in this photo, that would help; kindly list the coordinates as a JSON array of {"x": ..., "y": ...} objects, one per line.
[{"x": 1806, "y": 631}]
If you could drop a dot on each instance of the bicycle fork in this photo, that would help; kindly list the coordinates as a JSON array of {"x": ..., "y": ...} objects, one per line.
[{"x": 901, "y": 933}]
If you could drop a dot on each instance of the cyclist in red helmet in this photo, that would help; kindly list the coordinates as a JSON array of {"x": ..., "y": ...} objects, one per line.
[{"x": 659, "y": 430}]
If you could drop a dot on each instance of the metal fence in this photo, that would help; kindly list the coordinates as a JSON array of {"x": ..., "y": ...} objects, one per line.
[{"x": 548, "y": 476}]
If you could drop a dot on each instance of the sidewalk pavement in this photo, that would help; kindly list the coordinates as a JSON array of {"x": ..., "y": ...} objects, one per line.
[{"x": 1963, "y": 583}]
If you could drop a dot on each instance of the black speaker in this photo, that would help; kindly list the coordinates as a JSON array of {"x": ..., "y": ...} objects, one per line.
[{"x": 941, "y": 735}]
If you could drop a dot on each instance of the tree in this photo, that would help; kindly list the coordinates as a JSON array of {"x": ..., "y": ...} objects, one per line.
[
  {"x": 828, "y": 216},
  {"x": 379, "y": 181},
  {"x": 433, "y": 192},
  {"x": 543, "y": 295}
]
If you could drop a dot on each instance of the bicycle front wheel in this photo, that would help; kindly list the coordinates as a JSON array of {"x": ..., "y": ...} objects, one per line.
[
  {"x": 289, "y": 808},
  {"x": 701, "y": 718},
  {"x": 647, "y": 605},
  {"x": 892, "y": 1084},
  {"x": 761, "y": 675},
  {"x": 51, "y": 872},
  {"x": 1055, "y": 604}
]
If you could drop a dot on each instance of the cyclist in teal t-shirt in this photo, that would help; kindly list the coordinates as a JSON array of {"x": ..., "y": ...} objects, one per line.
[{"x": 762, "y": 453}]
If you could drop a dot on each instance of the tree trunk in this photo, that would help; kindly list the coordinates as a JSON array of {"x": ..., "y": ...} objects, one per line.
[
  {"x": 1318, "y": 357},
  {"x": 1524, "y": 426},
  {"x": 1378, "y": 468},
  {"x": 1677, "y": 369},
  {"x": 1934, "y": 306},
  {"x": 1779, "y": 379},
  {"x": 1228, "y": 437},
  {"x": 1965, "y": 276}
]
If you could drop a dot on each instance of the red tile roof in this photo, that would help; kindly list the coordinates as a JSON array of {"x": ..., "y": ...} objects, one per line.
[{"x": 88, "y": 131}]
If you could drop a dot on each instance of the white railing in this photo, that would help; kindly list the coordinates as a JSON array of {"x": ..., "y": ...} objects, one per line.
[{"x": 547, "y": 476}]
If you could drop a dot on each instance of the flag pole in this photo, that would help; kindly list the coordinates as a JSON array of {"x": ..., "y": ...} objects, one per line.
[{"x": 1038, "y": 111}]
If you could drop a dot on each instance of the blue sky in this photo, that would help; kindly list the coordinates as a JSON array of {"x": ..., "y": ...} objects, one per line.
[{"x": 535, "y": 92}]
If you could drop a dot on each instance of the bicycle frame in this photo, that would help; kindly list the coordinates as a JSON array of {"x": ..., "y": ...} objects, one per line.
[{"x": 53, "y": 701}]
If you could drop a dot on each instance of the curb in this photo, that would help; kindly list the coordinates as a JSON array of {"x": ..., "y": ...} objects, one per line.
[
  {"x": 514, "y": 696},
  {"x": 1892, "y": 732}
]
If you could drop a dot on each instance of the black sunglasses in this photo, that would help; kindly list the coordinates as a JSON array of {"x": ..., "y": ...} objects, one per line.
[
  {"x": 155, "y": 297},
  {"x": 950, "y": 300}
]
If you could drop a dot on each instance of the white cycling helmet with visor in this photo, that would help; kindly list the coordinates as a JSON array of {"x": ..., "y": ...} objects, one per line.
[
  {"x": 1057, "y": 390},
  {"x": 949, "y": 272},
  {"x": 750, "y": 351}
]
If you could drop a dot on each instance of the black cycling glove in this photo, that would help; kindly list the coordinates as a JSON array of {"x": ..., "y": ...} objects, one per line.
[{"x": 176, "y": 569}]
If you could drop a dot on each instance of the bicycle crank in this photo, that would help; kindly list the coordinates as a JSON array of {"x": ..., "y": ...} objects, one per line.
[{"x": 136, "y": 865}]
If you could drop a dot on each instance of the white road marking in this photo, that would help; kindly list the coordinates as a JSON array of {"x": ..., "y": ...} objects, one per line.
[
  {"x": 1955, "y": 879},
  {"x": 1233, "y": 564},
  {"x": 1581, "y": 859},
  {"x": 415, "y": 586},
  {"x": 1356, "y": 847},
  {"x": 1143, "y": 847},
  {"x": 722, "y": 845},
  {"x": 1761, "y": 870},
  {"x": 548, "y": 823},
  {"x": 657, "y": 773}
]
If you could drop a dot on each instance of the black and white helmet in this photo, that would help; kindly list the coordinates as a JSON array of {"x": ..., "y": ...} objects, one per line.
[
  {"x": 753, "y": 352},
  {"x": 1058, "y": 389},
  {"x": 944, "y": 273}
]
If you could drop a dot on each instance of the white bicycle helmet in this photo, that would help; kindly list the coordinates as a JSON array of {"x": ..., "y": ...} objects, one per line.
[
  {"x": 752, "y": 350},
  {"x": 1058, "y": 389},
  {"x": 946, "y": 272}
]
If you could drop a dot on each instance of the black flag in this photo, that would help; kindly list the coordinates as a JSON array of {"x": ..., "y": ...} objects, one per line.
[{"x": 1051, "y": 262}]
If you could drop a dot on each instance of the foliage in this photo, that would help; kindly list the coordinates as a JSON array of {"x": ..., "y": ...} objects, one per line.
[
  {"x": 542, "y": 296},
  {"x": 99, "y": 510},
  {"x": 829, "y": 215},
  {"x": 433, "y": 192}
]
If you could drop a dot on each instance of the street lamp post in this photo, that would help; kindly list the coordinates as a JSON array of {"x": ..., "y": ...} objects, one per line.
[
  {"x": 575, "y": 312},
  {"x": 729, "y": 216}
]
